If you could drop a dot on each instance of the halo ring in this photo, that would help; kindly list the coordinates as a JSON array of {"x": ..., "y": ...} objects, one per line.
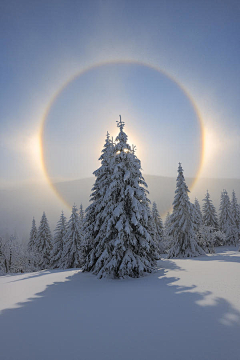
[{"x": 106, "y": 63}]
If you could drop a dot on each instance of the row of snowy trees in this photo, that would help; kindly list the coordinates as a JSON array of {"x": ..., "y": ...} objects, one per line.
[
  {"x": 63, "y": 249},
  {"x": 119, "y": 235},
  {"x": 191, "y": 232}
]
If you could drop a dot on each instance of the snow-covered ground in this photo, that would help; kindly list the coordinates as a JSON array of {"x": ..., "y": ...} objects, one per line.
[{"x": 188, "y": 310}]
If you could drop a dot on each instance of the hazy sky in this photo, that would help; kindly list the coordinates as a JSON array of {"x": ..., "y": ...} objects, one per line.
[{"x": 45, "y": 43}]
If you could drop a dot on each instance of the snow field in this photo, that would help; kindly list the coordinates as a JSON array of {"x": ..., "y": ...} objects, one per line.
[{"x": 188, "y": 310}]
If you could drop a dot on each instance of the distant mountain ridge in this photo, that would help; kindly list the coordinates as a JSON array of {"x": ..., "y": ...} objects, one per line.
[
  {"x": 18, "y": 205},
  {"x": 161, "y": 189}
]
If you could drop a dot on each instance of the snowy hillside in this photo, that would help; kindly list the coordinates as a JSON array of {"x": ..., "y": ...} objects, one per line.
[{"x": 187, "y": 310}]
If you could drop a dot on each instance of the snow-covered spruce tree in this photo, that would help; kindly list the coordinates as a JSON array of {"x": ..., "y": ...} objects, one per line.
[
  {"x": 157, "y": 228},
  {"x": 210, "y": 219},
  {"x": 182, "y": 226},
  {"x": 32, "y": 253},
  {"x": 209, "y": 213},
  {"x": 92, "y": 220},
  {"x": 199, "y": 217},
  {"x": 197, "y": 220},
  {"x": 167, "y": 223},
  {"x": 123, "y": 245},
  {"x": 226, "y": 222},
  {"x": 33, "y": 237},
  {"x": 206, "y": 238},
  {"x": 81, "y": 219},
  {"x": 44, "y": 243},
  {"x": 57, "y": 249},
  {"x": 71, "y": 254},
  {"x": 235, "y": 210}
]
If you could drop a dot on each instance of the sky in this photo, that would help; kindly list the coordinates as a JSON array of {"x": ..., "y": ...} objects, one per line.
[{"x": 171, "y": 70}]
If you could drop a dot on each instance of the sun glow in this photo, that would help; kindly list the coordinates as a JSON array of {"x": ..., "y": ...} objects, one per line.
[
  {"x": 126, "y": 116},
  {"x": 212, "y": 147},
  {"x": 33, "y": 148}
]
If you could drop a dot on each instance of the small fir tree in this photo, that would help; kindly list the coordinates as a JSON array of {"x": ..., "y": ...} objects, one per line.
[
  {"x": 157, "y": 228},
  {"x": 71, "y": 254},
  {"x": 197, "y": 221},
  {"x": 226, "y": 220},
  {"x": 81, "y": 219},
  {"x": 182, "y": 227},
  {"x": 123, "y": 246},
  {"x": 206, "y": 238},
  {"x": 167, "y": 222},
  {"x": 44, "y": 243},
  {"x": 210, "y": 219},
  {"x": 32, "y": 253},
  {"x": 59, "y": 234},
  {"x": 32, "y": 238},
  {"x": 235, "y": 210},
  {"x": 209, "y": 213},
  {"x": 199, "y": 217}
]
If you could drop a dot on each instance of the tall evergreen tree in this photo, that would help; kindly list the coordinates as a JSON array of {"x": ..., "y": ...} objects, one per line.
[
  {"x": 235, "y": 210},
  {"x": 209, "y": 213},
  {"x": 157, "y": 228},
  {"x": 182, "y": 226},
  {"x": 81, "y": 218},
  {"x": 33, "y": 237},
  {"x": 32, "y": 252},
  {"x": 226, "y": 220},
  {"x": 197, "y": 221},
  {"x": 123, "y": 246},
  {"x": 92, "y": 224},
  {"x": 199, "y": 217},
  {"x": 167, "y": 221},
  {"x": 59, "y": 233},
  {"x": 71, "y": 254},
  {"x": 44, "y": 242}
]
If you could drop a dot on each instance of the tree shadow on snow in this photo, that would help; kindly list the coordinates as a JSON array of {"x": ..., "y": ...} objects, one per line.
[
  {"x": 148, "y": 318},
  {"x": 222, "y": 255},
  {"x": 38, "y": 274}
]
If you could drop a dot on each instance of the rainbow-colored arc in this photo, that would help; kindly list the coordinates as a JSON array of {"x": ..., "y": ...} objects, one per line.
[{"x": 106, "y": 63}]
